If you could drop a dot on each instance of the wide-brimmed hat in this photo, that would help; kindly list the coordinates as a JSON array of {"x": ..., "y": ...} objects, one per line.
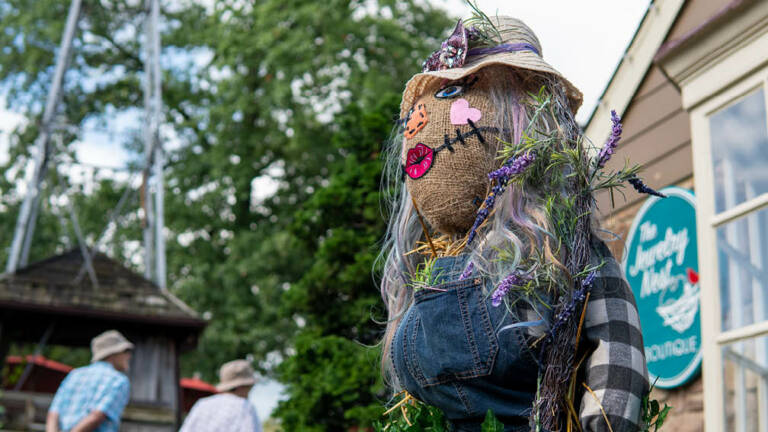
[
  {"x": 519, "y": 48},
  {"x": 235, "y": 374},
  {"x": 108, "y": 343}
]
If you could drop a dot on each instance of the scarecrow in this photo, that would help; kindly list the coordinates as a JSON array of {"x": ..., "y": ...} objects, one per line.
[{"x": 500, "y": 292}]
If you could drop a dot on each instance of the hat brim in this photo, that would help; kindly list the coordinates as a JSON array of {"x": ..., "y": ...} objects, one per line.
[
  {"x": 101, "y": 355},
  {"x": 518, "y": 59},
  {"x": 230, "y": 385}
]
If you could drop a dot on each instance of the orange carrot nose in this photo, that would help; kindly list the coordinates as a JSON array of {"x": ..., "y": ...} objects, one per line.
[{"x": 417, "y": 119}]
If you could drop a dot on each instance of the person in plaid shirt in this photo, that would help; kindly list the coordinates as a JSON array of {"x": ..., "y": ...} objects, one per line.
[{"x": 92, "y": 398}]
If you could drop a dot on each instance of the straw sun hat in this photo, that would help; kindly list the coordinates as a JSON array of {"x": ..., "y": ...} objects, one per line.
[
  {"x": 108, "y": 343},
  {"x": 235, "y": 374},
  {"x": 518, "y": 48}
]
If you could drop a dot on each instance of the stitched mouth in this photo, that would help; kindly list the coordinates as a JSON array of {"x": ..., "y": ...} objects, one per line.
[{"x": 419, "y": 160}]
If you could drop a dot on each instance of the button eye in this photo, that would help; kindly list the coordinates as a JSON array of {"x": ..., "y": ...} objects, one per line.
[{"x": 449, "y": 92}]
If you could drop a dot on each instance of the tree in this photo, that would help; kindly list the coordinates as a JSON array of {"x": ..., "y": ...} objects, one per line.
[
  {"x": 289, "y": 67},
  {"x": 297, "y": 95},
  {"x": 333, "y": 380}
]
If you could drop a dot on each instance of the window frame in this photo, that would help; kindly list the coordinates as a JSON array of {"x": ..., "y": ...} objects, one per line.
[{"x": 721, "y": 94}]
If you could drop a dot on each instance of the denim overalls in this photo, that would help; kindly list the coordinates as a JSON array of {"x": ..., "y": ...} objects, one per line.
[{"x": 455, "y": 351}]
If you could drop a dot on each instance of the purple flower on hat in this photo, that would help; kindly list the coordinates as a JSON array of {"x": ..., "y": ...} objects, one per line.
[
  {"x": 452, "y": 53},
  {"x": 612, "y": 142}
]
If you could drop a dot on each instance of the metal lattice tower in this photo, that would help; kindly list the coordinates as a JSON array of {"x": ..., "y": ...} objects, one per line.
[
  {"x": 154, "y": 241},
  {"x": 152, "y": 185}
]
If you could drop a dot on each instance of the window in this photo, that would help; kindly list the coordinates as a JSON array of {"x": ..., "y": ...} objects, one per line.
[
  {"x": 739, "y": 143},
  {"x": 730, "y": 145}
]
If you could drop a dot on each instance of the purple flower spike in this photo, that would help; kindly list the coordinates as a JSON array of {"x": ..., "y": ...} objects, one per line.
[
  {"x": 642, "y": 188},
  {"x": 587, "y": 282},
  {"x": 452, "y": 53},
  {"x": 613, "y": 141},
  {"x": 501, "y": 175},
  {"x": 513, "y": 167},
  {"x": 506, "y": 284},
  {"x": 467, "y": 271},
  {"x": 481, "y": 215}
]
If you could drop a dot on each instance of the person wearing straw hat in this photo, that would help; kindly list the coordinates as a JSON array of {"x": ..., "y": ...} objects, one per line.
[
  {"x": 501, "y": 296},
  {"x": 92, "y": 398},
  {"x": 230, "y": 410}
]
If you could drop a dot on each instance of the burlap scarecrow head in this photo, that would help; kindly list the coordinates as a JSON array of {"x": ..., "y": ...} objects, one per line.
[{"x": 453, "y": 124}]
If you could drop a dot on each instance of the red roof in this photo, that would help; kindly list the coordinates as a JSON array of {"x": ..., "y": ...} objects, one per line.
[
  {"x": 186, "y": 383},
  {"x": 197, "y": 384},
  {"x": 41, "y": 361}
]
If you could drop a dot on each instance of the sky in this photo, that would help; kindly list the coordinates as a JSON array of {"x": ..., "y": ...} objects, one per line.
[{"x": 584, "y": 40}]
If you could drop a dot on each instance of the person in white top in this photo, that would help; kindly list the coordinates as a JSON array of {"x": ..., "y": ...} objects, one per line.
[{"x": 229, "y": 410}]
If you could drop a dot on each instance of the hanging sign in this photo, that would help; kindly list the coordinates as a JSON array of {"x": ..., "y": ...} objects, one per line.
[{"x": 661, "y": 266}]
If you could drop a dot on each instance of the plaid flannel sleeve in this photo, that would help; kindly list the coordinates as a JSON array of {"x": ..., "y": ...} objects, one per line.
[{"x": 615, "y": 371}]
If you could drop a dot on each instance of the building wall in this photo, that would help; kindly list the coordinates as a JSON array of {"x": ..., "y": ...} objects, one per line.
[
  {"x": 687, "y": 414},
  {"x": 154, "y": 404},
  {"x": 656, "y": 127},
  {"x": 657, "y": 135},
  {"x": 694, "y": 14}
]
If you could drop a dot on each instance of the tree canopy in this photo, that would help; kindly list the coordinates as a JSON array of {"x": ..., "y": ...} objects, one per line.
[{"x": 275, "y": 113}]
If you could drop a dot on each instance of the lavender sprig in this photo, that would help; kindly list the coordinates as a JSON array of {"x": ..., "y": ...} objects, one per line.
[
  {"x": 642, "y": 188},
  {"x": 578, "y": 296},
  {"x": 587, "y": 282},
  {"x": 513, "y": 167},
  {"x": 502, "y": 176},
  {"x": 467, "y": 271},
  {"x": 481, "y": 215},
  {"x": 513, "y": 280},
  {"x": 612, "y": 142}
]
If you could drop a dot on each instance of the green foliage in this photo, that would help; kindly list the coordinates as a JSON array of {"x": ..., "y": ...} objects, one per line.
[
  {"x": 339, "y": 227},
  {"x": 416, "y": 417},
  {"x": 411, "y": 415},
  {"x": 425, "y": 276},
  {"x": 491, "y": 423},
  {"x": 331, "y": 382},
  {"x": 652, "y": 414},
  {"x": 484, "y": 28}
]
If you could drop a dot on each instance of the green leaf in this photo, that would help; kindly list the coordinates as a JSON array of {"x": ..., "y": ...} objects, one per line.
[
  {"x": 662, "y": 416},
  {"x": 491, "y": 423},
  {"x": 654, "y": 408}
]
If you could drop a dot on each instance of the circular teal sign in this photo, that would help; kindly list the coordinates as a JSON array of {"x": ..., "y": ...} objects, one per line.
[{"x": 662, "y": 267}]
